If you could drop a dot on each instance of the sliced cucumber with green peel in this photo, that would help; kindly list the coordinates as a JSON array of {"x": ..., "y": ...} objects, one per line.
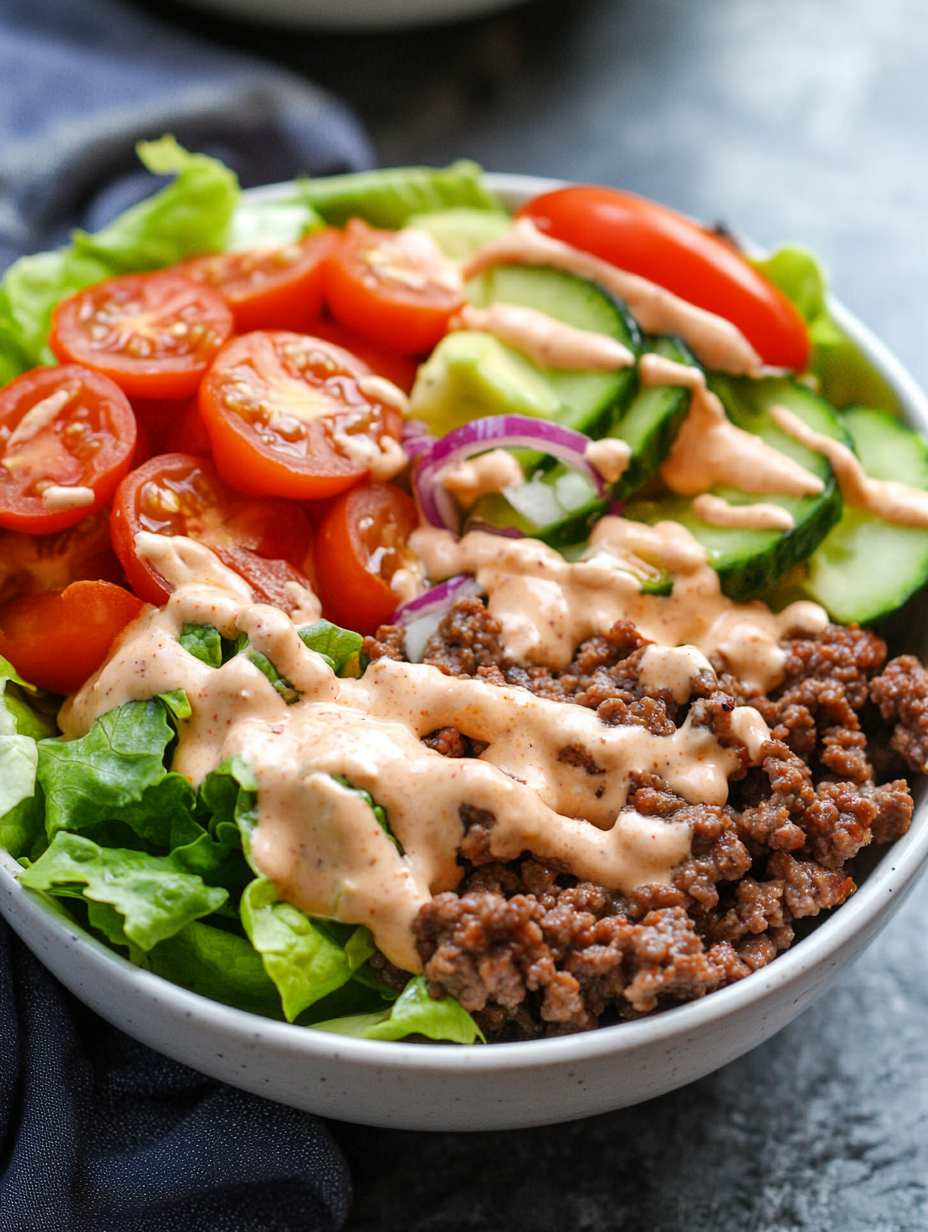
[
  {"x": 866, "y": 567},
  {"x": 652, "y": 421},
  {"x": 750, "y": 561},
  {"x": 591, "y": 402},
  {"x": 560, "y": 506}
]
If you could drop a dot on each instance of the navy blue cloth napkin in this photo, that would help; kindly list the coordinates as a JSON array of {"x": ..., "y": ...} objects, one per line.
[
  {"x": 97, "y": 1132},
  {"x": 81, "y": 81}
]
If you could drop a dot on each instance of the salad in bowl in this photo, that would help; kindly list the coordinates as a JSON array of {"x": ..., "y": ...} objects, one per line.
[{"x": 426, "y": 622}]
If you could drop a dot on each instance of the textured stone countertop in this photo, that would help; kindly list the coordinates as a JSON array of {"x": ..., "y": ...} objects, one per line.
[{"x": 801, "y": 119}]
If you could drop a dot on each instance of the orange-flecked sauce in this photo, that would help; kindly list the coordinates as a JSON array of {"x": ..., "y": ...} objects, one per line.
[{"x": 321, "y": 844}]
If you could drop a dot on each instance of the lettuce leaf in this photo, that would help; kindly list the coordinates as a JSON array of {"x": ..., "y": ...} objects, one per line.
[
  {"x": 387, "y": 198},
  {"x": 217, "y": 964},
  {"x": 298, "y": 955},
  {"x": 21, "y": 724},
  {"x": 846, "y": 377},
  {"x": 154, "y": 896},
  {"x": 191, "y": 215},
  {"x": 413, "y": 1013},
  {"x": 96, "y": 777},
  {"x": 339, "y": 647}
]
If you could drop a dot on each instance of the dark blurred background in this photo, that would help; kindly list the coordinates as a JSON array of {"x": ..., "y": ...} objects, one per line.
[{"x": 794, "y": 120}]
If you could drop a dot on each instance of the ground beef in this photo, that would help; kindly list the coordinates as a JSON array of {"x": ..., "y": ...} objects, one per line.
[{"x": 530, "y": 950}]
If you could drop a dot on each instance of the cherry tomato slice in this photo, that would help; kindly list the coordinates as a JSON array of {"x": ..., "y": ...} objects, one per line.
[
  {"x": 360, "y": 545},
  {"x": 275, "y": 405},
  {"x": 33, "y": 563},
  {"x": 394, "y": 367},
  {"x": 396, "y": 288},
  {"x": 59, "y": 638},
  {"x": 268, "y": 541},
  {"x": 67, "y": 437},
  {"x": 659, "y": 244},
  {"x": 268, "y": 288},
  {"x": 153, "y": 334}
]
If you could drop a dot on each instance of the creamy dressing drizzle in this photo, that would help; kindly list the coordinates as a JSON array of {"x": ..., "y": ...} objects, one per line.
[
  {"x": 546, "y": 341},
  {"x": 382, "y": 459},
  {"x": 710, "y": 450},
  {"x": 610, "y": 457},
  {"x": 893, "y": 502},
  {"x": 762, "y": 515},
  {"x": 481, "y": 476},
  {"x": 717, "y": 342},
  {"x": 548, "y": 606},
  {"x": 59, "y": 496},
  {"x": 320, "y": 843}
]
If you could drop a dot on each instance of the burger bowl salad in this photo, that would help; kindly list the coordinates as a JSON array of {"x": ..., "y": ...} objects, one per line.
[{"x": 425, "y": 623}]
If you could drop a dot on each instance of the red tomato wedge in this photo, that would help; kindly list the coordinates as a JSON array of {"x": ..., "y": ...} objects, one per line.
[
  {"x": 396, "y": 288},
  {"x": 659, "y": 244},
  {"x": 275, "y": 405},
  {"x": 361, "y": 543},
  {"x": 153, "y": 334},
  {"x": 59, "y": 638},
  {"x": 394, "y": 367},
  {"x": 268, "y": 542},
  {"x": 67, "y": 436},
  {"x": 268, "y": 288},
  {"x": 33, "y": 563}
]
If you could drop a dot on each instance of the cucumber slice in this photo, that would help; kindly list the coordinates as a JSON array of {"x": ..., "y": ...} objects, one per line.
[
  {"x": 866, "y": 567},
  {"x": 461, "y": 231},
  {"x": 750, "y": 561},
  {"x": 651, "y": 423},
  {"x": 591, "y": 402},
  {"x": 560, "y": 506}
]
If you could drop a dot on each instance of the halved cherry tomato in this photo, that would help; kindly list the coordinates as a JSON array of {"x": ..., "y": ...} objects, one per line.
[
  {"x": 659, "y": 244},
  {"x": 59, "y": 638},
  {"x": 399, "y": 369},
  {"x": 268, "y": 288},
  {"x": 67, "y": 437},
  {"x": 361, "y": 543},
  {"x": 153, "y": 334},
  {"x": 33, "y": 563},
  {"x": 396, "y": 288},
  {"x": 275, "y": 403},
  {"x": 267, "y": 541}
]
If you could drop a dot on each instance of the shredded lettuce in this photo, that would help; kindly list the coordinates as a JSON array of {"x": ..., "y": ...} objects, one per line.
[{"x": 846, "y": 377}]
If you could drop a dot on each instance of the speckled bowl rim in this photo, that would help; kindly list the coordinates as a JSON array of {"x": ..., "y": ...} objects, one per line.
[{"x": 885, "y": 886}]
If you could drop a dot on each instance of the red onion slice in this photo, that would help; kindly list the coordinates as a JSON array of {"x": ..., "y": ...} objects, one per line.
[
  {"x": 422, "y": 616},
  {"x": 417, "y": 439},
  {"x": 438, "y": 598},
  {"x": 494, "y": 432}
]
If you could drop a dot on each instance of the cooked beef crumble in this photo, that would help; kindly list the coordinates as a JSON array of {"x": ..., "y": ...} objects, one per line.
[{"x": 530, "y": 950}]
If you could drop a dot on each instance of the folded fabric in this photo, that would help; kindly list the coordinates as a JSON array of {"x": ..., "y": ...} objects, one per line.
[
  {"x": 97, "y": 1132},
  {"x": 100, "y": 1134},
  {"x": 81, "y": 81}
]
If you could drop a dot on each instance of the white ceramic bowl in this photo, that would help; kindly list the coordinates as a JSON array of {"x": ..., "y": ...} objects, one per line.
[
  {"x": 504, "y": 1086},
  {"x": 356, "y": 15}
]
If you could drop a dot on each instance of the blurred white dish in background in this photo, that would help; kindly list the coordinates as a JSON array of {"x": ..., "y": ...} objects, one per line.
[{"x": 355, "y": 14}]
